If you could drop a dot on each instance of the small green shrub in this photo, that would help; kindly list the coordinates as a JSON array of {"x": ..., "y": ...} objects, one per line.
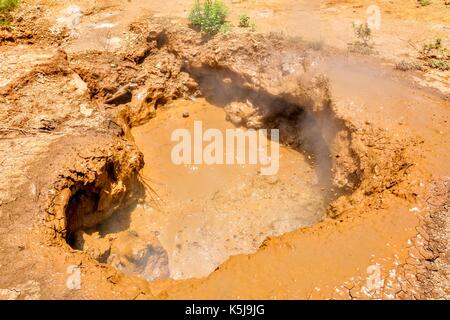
[
  {"x": 244, "y": 21},
  {"x": 432, "y": 48},
  {"x": 404, "y": 65},
  {"x": 4, "y": 22},
  {"x": 439, "y": 64},
  {"x": 7, "y": 5},
  {"x": 424, "y": 3},
  {"x": 363, "y": 43},
  {"x": 363, "y": 33},
  {"x": 435, "y": 55},
  {"x": 209, "y": 16}
]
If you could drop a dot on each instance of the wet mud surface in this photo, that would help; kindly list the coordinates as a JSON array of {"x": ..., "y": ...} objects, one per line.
[{"x": 203, "y": 214}]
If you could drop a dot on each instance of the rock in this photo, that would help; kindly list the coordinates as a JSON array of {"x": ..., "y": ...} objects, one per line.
[
  {"x": 79, "y": 84},
  {"x": 255, "y": 122},
  {"x": 241, "y": 109},
  {"x": 185, "y": 114},
  {"x": 191, "y": 84},
  {"x": 85, "y": 111},
  {"x": 239, "y": 113},
  {"x": 47, "y": 124}
]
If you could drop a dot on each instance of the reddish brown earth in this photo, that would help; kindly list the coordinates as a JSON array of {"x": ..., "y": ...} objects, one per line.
[{"x": 76, "y": 171}]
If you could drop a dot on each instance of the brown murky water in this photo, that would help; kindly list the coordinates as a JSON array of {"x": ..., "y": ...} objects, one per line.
[{"x": 203, "y": 214}]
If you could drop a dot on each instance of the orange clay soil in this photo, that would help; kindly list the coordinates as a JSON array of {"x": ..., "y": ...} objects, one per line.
[{"x": 78, "y": 179}]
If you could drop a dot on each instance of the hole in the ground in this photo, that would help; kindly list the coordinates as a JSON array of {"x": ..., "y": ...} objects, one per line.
[
  {"x": 82, "y": 204},
  {"x": 195, "y": 216}
]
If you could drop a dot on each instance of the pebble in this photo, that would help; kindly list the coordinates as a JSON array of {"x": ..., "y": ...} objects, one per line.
[{"x": 87, "y": 112}]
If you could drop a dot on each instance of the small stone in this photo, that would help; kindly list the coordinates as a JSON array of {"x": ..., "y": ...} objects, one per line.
[
  {"x": 186, "y": 114},
  {"x": 80, "y": 85},
  {"x": 85, "y": 111}
]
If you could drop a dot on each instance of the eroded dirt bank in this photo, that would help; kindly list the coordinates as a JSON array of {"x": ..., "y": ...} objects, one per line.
[{"x": 71, "y": 161}]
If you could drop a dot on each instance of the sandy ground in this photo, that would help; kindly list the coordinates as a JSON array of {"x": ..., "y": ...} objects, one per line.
[{"x": 64, "y": 143}]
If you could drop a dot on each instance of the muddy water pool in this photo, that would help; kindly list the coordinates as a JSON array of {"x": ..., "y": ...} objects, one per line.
[{"x": 203, "y": 214}]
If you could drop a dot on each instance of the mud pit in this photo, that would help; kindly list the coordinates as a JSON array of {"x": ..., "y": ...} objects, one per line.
[
  {"x": 203, "y": 214},
  {"x": 195, "y": 216},
  {"x": 359, "y": 187}
]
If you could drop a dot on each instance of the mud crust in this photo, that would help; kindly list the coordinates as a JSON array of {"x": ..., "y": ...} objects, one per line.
[{"x": 93, "y": 188}]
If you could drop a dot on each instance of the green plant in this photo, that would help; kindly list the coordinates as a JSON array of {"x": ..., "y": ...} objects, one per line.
[
  {"x": 404, "y": 65},
  {"x": 7, "y": 5},
  {"x": 244, "y": 21},
  {"x": 4, "y": 22},
  {"x": 439, "y": 64},
  {"x": 424, "y": 3},
  {"x": 363, "y": 43},
  {"x": 432, "y": 48},
  {"x": 435, "y": 55},
  {"x": 363, "y": 33},
  {"x": 209, "y": 16}
]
